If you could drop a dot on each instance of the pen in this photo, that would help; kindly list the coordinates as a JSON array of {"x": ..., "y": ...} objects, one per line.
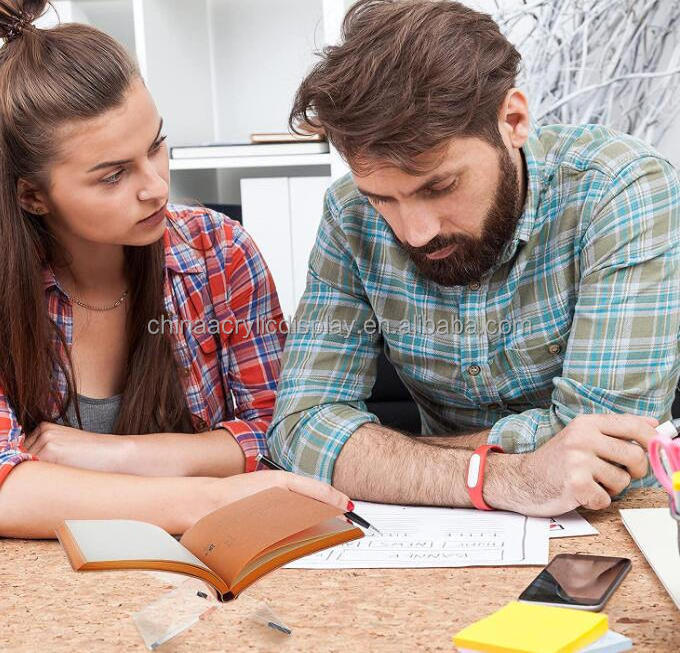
[
  {"x": 670, "y": 428},
  {"x": 352, "y": 516}
]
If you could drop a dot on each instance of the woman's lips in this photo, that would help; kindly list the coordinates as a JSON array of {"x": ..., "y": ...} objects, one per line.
[{"x": 154, "y": 218}]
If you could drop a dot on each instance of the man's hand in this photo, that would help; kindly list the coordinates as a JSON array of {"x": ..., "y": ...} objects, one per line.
[
  {"x": 63, "y": 445},
  {"x": 591, "y": 460}
]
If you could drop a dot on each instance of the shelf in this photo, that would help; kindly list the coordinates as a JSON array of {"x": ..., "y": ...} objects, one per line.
[{"x": 277, "y": 161}]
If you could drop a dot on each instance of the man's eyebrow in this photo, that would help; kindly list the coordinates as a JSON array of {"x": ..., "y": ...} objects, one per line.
[
  {"x": 435, "y": 179},
  {"x": 113, "y": 164}
]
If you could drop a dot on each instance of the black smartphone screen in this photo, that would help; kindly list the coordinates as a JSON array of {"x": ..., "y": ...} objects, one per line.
[{"x": 577, "y": 580}]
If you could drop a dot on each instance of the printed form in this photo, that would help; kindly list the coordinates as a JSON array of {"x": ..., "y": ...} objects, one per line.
[{"x": 414, "y": 536}]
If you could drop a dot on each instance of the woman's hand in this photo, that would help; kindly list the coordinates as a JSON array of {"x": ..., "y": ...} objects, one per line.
[
  {"x": 63, "y": 445},
  {"x": 242, "y": 485}
]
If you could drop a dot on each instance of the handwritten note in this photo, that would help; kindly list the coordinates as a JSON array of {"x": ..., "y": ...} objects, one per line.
[{"x": 437, "y": 537}]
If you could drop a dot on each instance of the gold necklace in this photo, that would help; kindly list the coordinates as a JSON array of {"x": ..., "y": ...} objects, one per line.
[{"x": 99, "y": 309}]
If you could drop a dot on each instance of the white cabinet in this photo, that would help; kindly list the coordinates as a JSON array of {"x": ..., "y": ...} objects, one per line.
[{"x": 282, "y": 215}]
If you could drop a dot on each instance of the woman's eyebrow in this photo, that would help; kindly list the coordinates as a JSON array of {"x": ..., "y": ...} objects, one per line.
[{"x": 112, "y": 164}]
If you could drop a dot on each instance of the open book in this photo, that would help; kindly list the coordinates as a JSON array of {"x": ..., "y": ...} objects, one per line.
[{"x": 229, "y": 548}]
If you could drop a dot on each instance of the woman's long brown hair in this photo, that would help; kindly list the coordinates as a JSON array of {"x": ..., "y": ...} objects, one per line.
[{"x": 48, "y": 78}]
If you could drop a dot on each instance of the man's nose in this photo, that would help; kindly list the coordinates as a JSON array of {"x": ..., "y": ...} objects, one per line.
[{"x": 419, "y": 227}]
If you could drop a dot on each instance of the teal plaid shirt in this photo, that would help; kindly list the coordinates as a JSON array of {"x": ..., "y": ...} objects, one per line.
[{"x": 581, "y": 314}]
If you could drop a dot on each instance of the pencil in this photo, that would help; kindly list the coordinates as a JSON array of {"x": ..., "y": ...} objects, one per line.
[{"x": 352, "y": 516}]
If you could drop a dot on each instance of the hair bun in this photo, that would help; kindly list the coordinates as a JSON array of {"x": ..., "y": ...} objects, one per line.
[{"x": 16, "y": 16}]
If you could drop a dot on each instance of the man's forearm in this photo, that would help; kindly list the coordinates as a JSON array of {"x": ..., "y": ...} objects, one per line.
[
  {"x": 454, "y": 441},
  {"x": 378, "y": 464}
]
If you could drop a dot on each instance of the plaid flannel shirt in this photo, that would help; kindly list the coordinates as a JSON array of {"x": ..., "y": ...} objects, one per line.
[
  {"x": 581, "y": 314},
  {"x": 217, "y": 286}
]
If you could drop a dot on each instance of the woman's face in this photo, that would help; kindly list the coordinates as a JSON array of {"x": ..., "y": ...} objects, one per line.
[{"x": 110, "y": 182}]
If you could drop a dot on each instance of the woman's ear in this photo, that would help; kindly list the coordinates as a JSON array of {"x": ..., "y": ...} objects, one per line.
[{"x": 31, "y": 198}]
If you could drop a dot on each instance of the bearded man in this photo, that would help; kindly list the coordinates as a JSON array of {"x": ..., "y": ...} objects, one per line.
[{"x": 524, "y": 282}]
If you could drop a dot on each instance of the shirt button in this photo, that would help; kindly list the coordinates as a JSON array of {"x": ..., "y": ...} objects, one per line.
[
  {"x": 555, "y": 349},
  {"x": 475, "y": 285},
  {"x": 474, "y": 370},
  {"x": 186, "y": 371}
]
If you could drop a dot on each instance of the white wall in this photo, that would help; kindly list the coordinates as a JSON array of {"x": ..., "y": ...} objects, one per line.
[
  {"x": 670, "y": 145},
  {"x": 264, "y": 48}
]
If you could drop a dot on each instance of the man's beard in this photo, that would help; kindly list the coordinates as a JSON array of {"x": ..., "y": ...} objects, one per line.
[{"x": 473, "y": 257}]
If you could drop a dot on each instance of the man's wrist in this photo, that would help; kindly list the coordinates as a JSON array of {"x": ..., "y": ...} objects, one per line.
[{"x": 503, "y": 481}]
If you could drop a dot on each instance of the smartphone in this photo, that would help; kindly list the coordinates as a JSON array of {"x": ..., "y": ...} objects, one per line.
[{"x": 577, "y": 581}]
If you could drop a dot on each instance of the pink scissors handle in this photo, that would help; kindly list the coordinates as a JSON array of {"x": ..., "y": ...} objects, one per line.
[{"x": 656, "y": 445}]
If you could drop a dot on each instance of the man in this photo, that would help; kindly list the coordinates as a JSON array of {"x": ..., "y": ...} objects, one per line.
[{"x": 525, "y": 283}]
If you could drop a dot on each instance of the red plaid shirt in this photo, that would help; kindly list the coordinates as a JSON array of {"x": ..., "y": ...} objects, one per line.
[{"x": 225, "y": 324}]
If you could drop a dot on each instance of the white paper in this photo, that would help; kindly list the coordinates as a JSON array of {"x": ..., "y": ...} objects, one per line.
[
  {"x": 437, "y": 537},
  {"x": 610, "y": 642},
  {"x": 571, "y": 524},
  {"x": 656, "y": 534}
]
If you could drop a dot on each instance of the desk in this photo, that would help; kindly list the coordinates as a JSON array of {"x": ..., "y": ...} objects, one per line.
[{"x": 44, "y": 604}]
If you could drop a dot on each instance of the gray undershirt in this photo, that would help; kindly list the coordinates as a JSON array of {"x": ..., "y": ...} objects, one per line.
[{"x": 97, "y": 415}]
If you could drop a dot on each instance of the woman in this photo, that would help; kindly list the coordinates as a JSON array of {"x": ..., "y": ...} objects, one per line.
[{"x": 120, "y": 314}]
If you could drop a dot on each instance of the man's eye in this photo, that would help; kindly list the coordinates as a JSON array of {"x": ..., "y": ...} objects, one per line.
[
  {"x": 114, "y": 178},
  {"x": 436, "y": 192}
]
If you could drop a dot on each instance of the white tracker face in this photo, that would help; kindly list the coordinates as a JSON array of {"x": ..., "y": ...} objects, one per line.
[{"x": 473, "y": 470}]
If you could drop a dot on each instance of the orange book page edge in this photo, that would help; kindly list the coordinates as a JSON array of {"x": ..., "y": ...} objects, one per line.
[
  {"x": 73, "y": 553},
  {"x": 299, "y": 552}
]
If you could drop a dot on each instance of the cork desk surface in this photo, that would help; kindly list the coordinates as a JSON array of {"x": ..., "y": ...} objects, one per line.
[{"x": 46, "y": 606}]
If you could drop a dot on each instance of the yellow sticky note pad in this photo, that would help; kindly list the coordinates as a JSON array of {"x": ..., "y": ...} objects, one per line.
[
  {"x": 532, "y": 628},
  {"x": 676, "y": 481}
]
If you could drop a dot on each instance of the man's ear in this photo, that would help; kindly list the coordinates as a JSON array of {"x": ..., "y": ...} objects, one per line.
[
  {"x": 31, "y": 198},
  {"x": 513, "y": 118}
]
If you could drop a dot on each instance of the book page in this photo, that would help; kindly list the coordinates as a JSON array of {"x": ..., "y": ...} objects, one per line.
[
  {"x": 415, "y": 536},
  {"x": 102, "y": 540}
]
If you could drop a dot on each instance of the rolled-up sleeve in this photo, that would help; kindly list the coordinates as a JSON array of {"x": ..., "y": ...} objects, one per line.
[
  {"x": 329, "y": 362},
  {"x": 622, "y": 354},
  {"x": 12, "y": 451}
]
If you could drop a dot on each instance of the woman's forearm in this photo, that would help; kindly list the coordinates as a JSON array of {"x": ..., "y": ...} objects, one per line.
[
  {"x": 37, "y": 496},
  {"x": 213, "y": 453}
]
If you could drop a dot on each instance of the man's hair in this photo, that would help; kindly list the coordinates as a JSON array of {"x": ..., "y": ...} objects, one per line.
[{"x": 407, "y": 76}]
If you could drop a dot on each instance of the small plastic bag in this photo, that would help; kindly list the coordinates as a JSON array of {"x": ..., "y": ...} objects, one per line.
[{"x": 191, "y": 600}]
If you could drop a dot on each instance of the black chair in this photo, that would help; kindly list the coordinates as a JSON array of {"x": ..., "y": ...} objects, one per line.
[
  {"x": 675, "y": 408},
  {"x": 391, "y": 401}
]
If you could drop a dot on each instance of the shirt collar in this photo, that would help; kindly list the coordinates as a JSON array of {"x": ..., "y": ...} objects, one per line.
[
  {"x": 181, "y": 255},
  {"x": 49, "y": 280},
  {"x": 534, "y": 165}
]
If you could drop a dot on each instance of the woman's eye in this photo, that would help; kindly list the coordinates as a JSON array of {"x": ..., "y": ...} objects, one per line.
[
  {"x": 114, "y": 178},
  {"x": 157, "y": 145}
]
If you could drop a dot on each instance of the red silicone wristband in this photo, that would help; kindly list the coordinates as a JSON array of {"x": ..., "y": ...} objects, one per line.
[{"x": 474, "y": 479}]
